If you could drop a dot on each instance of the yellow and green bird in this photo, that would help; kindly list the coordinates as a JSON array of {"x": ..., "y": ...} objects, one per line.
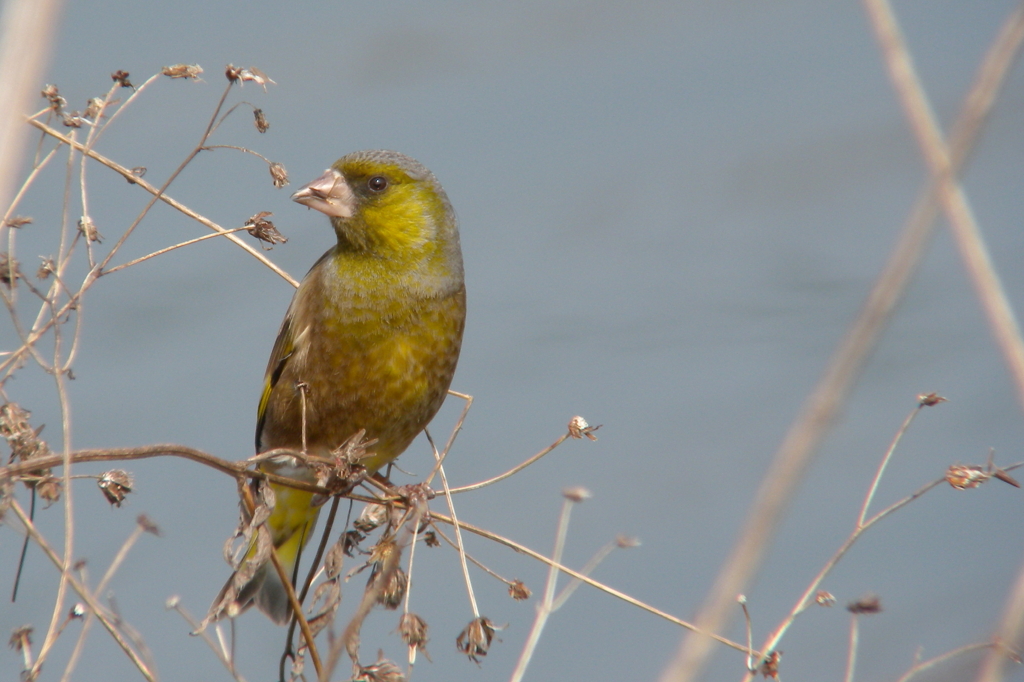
[{"x": 372, "y": 337}]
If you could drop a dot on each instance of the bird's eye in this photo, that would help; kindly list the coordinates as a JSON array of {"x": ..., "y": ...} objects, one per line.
[{"x": 378, "y": 183}]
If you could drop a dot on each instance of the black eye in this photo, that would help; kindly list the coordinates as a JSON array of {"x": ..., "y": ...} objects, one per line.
[{"x": 378, "y": 183}]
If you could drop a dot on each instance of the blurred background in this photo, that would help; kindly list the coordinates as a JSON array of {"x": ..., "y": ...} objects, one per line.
[{"x": 670, "y": 213}]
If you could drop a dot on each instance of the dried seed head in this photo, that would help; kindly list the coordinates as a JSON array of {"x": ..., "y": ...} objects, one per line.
[
  {"x": 251, "y": 73},
  {"x": 278, "y": 174},
  {"x": 770, "y": 665},
  {"x": 57, "y": 103},
  {"x": 72, "y": 119},
  {"x": 869, "y": 604},
  {"x": 413, "y": 631},
  {"x": 475, "y": 640},
  {"x": 121, "y": 78},
  {"x": 258, "y": 226},
  {"x": 77, "y": 611},
  {"x": 823, "y": 598},
  {"x": 576, "y": 494},
  {"x": 352, "y": 538},
  {"x": 18, "y": 221},
  {"x": 626, "y": 541},
  {"x": 9, "y": 269},
  {"x": 172, "y": 602},
  {"x": 373, "y": 516},
  {"x": 46, "y": 268},
  {"x": 21, "y": 638},
  {"x": 23, "y": 440},
  {"x": 49, "y": 487},
  {"x": 88, "y": 229},
  {"x": 182, "y": 71},
  {"x": 964, "y": 476},
  {"x": 579, "y": 428},
  {"x": 94, "y": 108},
  {"x": 262, "y": 125},
  {"x": 430, "y": 539},
  {"x": 381, "y": 671},
  {"x": 391, "y": 593},
  {"x": 115, "y": 484},
  {"x": 518, "y": 590},
  {"x": 146, "y": 524},
  {"x": 930, "y": 399}
]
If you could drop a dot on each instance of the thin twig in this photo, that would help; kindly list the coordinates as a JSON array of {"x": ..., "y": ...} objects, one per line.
[
  {"x": 514, "y": 470},
  {"x": 451, "y": 438},
  {"x": 922, "y": 666},
  {"x": 100, "y": 589},
  {"x": 851, "y": 647},
  {"x": 134, "y": 179},
  {"x": 83, "y": 592},
  {"x": 221, "y": 652},
  {"x": 546, "y": 606},
  {"x": 885, "y": 462},
  {"x": 166, "y": 249},
  {"x": 458, "y": 531},
  {"x": 523, "y": 549}
]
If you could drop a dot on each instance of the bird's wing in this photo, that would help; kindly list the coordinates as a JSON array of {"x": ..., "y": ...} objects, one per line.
[{"x": 283, "y": 349}]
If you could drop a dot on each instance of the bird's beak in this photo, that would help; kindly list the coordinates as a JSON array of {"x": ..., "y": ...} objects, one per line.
[{"x": 329, "y": 194}]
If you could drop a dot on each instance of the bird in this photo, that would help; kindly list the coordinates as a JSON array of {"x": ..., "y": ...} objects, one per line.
[{"x": 370, "y": 342}]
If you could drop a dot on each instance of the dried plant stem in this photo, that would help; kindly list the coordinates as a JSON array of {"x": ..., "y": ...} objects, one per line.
[
  {"x": 310, "y": 575},
  {"x": 514, "y": 470},
  {"x": 222, "y": 652},
  {"x": 922, "y": 666},
  {"x": 458, "y": 538},
  {"x": 807, "y": 598},
  {"x": 977, "y": 261},
  {"x": 100, "y": 589},
  {"x": 37, "y": 168},
  {"x": 469, "y": 557},
  {"x": 236, "y": 148},
  {"x": 851, "y": 649},
  {"x": 824, "y": 402},
  {"x": 67, "y": 500},
  {"x": 164, "y": 250},
  {"x": 167, "y": 183},
  {"x": 523, "y": 549},
  {"x": 885, "y": 462},
  {"x": 131, "y": 177},
  {"x": 83, "y": 592},
  {"x": 307, "y": 634},
  {"x": 547, "y": 605},
  {"x": 451, "y": 438},
  {"x": 235, "y": 469},
  {"x": 101, "y": 128},
  {"x": 588, "y": 568}
]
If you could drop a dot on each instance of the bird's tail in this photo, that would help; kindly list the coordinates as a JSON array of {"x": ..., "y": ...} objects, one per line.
[{"x": 291, "y": 523}]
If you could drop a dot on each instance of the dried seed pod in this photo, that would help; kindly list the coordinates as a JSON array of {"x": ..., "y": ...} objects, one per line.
[
  {"x": 475, "y": 640},
  {"x": 518, "y": 590},
  {"x": 115, "y": 485}
]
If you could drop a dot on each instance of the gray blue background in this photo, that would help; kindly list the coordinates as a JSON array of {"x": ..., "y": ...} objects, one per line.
[{"x": 670, "y": 211}]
